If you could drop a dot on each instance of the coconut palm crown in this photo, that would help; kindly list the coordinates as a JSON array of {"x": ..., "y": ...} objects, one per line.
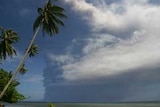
[
  {"x": 49, "y": 18},
  {"x": 7, "y": 38}
]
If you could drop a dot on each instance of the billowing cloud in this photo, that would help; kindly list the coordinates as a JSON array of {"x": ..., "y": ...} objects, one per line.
[
  {"x": 123, "y": 41},
  {"x": 119, "y": 41}
]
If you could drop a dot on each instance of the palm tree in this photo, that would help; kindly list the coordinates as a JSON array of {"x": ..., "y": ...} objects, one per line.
[
  {"x": 33, "y": 50},
  {"x": 49, "y": 19},
  {"x": 7, "y": 39},
  {"x": 23, "y": 69}
]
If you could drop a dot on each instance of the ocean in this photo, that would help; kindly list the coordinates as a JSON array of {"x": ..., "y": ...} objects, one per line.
[{"x": 85, "y": 105}]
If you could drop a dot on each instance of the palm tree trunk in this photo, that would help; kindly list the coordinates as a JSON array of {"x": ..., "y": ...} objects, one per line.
[{"x": 20, "y": 63}]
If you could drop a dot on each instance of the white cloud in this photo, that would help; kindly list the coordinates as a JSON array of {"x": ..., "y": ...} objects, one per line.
[
  {"x": 108, "y": 54},
  {"x": 60, "y": 59}
]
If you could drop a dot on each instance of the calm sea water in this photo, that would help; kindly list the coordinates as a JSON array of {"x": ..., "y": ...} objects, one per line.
[{"x": 85, "y": 105}]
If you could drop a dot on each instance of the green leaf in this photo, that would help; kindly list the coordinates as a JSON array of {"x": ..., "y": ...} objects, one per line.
[
  {"x": 51, "y": 105},
  {"x": 11, "y": 95}
]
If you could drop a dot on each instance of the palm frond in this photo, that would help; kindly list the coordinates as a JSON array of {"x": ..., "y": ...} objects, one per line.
[
  {"x": 37, "y": 22},
  {"x": 33, "y": 50},
  {"x": 23, "y": 70},
  {"x": 50, "y": 18},
  {"x": 7, "y": 39}
]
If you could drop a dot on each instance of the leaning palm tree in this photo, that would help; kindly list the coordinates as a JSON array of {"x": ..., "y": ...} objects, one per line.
[
  {"x": 49, "y": 19},
  {"x": 7, "y": 38}
]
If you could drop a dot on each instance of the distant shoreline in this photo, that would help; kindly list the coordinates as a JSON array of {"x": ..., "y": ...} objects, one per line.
[
  {"x": 90, "y": 102},
  {"x": 85, "y": 104}
]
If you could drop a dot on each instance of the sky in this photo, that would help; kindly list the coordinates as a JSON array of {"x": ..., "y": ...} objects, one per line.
[{"x": 108, "y": 51}]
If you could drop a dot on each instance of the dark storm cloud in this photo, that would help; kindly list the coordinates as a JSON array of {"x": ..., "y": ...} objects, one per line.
[{"x": 132, "y": 86}]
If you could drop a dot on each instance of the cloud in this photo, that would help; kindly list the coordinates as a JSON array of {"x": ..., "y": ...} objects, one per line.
[
  {"x": 133, "y": 86},
  {"x": 115, "y": 17},
  {"x": 121, "y": 46},
  {"x": 119, "y": 41}
]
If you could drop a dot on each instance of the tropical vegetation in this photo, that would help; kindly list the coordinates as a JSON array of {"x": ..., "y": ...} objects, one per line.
[
  {"x": 49, "y": 19},
  {"x": 11, "y": 95}
]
